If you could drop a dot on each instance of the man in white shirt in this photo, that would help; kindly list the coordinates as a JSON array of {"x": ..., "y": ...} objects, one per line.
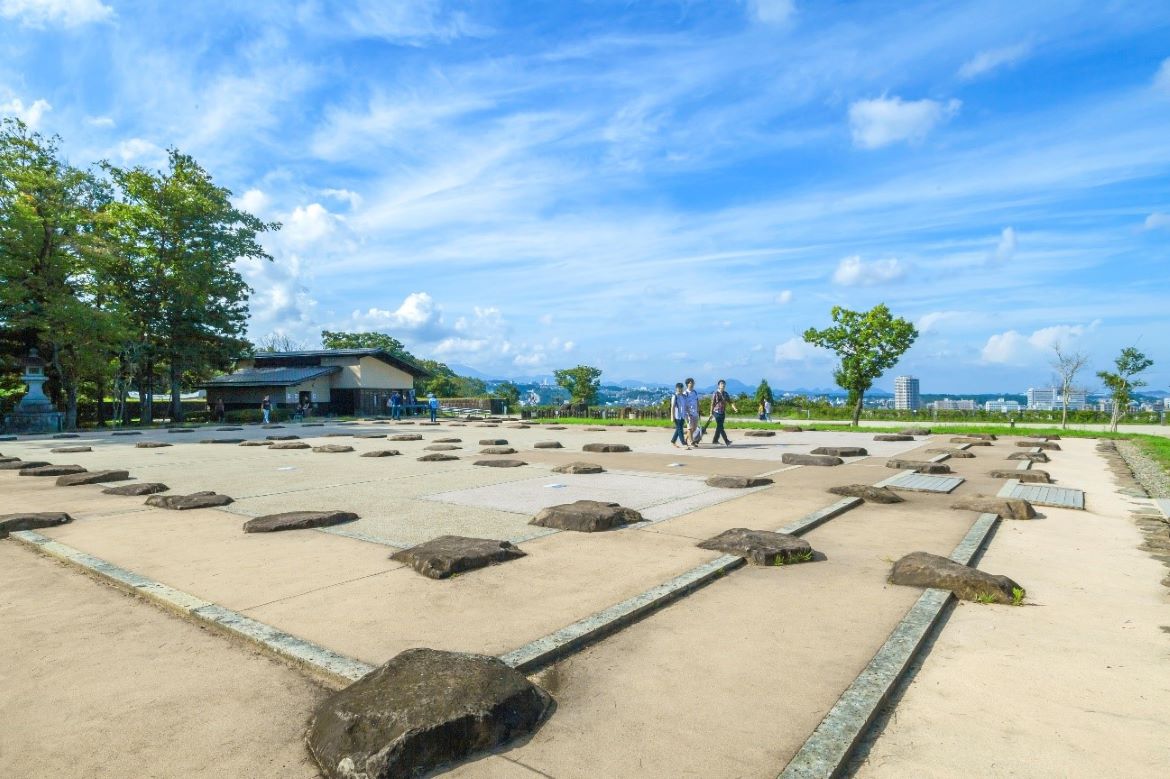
[{"x": 691, "y": 403}]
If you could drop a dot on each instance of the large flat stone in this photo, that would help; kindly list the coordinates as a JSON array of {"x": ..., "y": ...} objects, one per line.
[
  {"x": 579, "y": 467},
  {"x": 151, "y": 445},
  {"x": 1035, "y": 457},
  {"x": 256, "y": 443},
  {"x": 51, "y": 470},
  {"x": 913, "y": 431},
  {"x": 369, "y": 435},
  {"x": 868, "y": 493},
  {"x": 382, "y": 453},
  {"x": 281, "y": 437},
  {"x": 795, "y": 458},
  {"x": 1024, "y": 477},
  {"x": 957, "y": 454},
  {"x": 893, "y": 437},
  {"x": 332, "y": 449},
  {"x": 547, "y": 445},
  {"x": 448, "y": 440},
  {"x": 497, "y": 450},
  {"x": 500, "y": 463},
  {"x": 493, "y": 442},
  {"x": 921, "y": 569},
  {"x": 10, "y": 523},
  {"x": 759, "y": 433},
  {"x": 970, "y": 441},
  {"x": 1051, "y": 446},
  {"x": 442, "y": 447},
  {"x": 760, "y": 547},
  {"x": 1008, "y": 508},
  {"x": 9, "y": 460},
  {"x": 91, "y": 477},
  {"x": 423, "y": 710},
  {"x": 605, "y": 448},
  {"x": 437, "y": 457},
  {"x": 841, "y": 451},
  {"x": 290, "y": 445},
  {"x": 920, "y": 466},
  {"x": 738, "y": 482},
  {"x": 196, "y": 500},
  {"x": 71, "y": 449},
  {"x": 297, "y": 520},
  {"x": 404, "y": 437},
  {"x": 446, "y": 556},
  {"x": 137, "y": 488},
  {"x": 17, "y": 465},
  {"x": 586, "y": 516}
]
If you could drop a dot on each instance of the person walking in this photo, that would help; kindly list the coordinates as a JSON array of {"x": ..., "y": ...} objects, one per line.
[
  {"x": 720, "y": 400},
  {"x": 678, "y": 414},
  {"x": 692, "y": 406},
  {"x": 767, "y": 410},
  {"x": 265, "y": 408},
  {"x": 396, "y": 405},
  {"x": 433, "y": 405}
]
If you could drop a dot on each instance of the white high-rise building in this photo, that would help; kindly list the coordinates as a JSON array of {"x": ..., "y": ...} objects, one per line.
[
  {"x": 906, "y": 394},
  {"x": 1050, "y": 399}
]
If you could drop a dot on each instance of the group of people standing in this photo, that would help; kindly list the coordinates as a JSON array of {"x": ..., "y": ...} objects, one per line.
[{"x": 684, "y": 411}]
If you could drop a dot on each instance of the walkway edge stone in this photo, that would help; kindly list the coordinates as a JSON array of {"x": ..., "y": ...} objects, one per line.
[
  {"x": 317, "y": 660},
  {"x": 829, "y": 748}
]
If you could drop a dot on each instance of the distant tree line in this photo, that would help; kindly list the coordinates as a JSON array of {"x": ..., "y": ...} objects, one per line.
[{"x": 122, "y": 278}]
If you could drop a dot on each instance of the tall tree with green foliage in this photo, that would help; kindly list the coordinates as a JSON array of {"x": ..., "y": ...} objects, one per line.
[
  {"x": 764, "y": 392},
  {"x": 52, "y": 261},
  {"x": 509, "y": 392},
  {"x": 582, "y": 383},
  {"x": 341, "y": 340},
  {"x": 1124, "y": 381},
  {"x": 867, "y": 343},
  {"x": 180, "y": 237}
]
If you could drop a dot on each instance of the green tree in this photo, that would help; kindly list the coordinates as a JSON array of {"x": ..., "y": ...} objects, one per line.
[
  {"x": 764, "y": 392},
  {"x": 52, "y": 261},
  {"x": 180, "y": 237},
  {"x": 509, "y": 392},
  {"x": 582, "y": 383},
  {"x": 341, "y": 340},
  {"x": 1124, "y": 381},
  {"x": 867, "y": 343}
]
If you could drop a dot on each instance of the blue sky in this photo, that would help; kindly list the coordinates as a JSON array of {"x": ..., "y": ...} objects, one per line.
[{"x": 659, "y": 189}]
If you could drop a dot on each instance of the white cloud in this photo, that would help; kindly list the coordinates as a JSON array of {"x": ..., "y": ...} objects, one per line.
[
  {"x": 68, "y": 13},
  {"x": 353, "y": 198},
  {"x": 771, "y": 11},
  {"x": 100, "y": 121},
  {"x": 254, "y": 201},
  {"x": 930, "y": 322},
  {"x": 410, "y": 21},
  {"x": 417, "y": 316},
  {"x": 30, "y": 114},
  {"x": 784, "y": 298},
  {"x": 309, "y": 224},
  {"x": 528, "y": 360},
  {"x": 568, "y": 346},
  {"x": 139, "y": 150},
  {"x": 1015, "y": 348},
  {"x": 1006, "y": 248},
  {"x": 280, "y": 300},
  {"x": 855, "y": 272},
  {"x": 993, "y": 59},
  {"x": 1157, "y": 221},
  {"x": 885, "y": 120},
  {"x": 796, "y": 349},
  {"x": 1162, "y": 77}
]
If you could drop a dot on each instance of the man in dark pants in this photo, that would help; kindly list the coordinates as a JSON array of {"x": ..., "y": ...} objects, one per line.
[
  {"x": 720, "y": 400},
  {"x": 678, "y": 413}
]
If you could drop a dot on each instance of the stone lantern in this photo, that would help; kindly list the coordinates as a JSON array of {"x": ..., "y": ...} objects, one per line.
[{"x": 35, "y": 413}]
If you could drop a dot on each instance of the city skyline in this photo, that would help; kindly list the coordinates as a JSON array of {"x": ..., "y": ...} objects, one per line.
[{"x": 660, "y": 189}]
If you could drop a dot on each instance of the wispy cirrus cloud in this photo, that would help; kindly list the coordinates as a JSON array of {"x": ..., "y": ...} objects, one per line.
[
  {"x": 48, "y": 13},
  {"x": 991, "y": 60}
]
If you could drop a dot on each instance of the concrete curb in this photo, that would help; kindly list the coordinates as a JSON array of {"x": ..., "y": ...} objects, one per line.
[
  {"x": 332, "y": 667},
  {"x": 829, "y": 747},
  {"x": 569, "y": 639}
]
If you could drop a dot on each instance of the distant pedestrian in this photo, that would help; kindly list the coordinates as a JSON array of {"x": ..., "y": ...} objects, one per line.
[
  {"x": 761, "y": 412},
  {"x": 720, "y": 400},
  {"x": 678, "y": 414},
  {"x": 767, "y": 410},
  {"x": 433, "y": 405},
  {"x": 396, "y": 405},
  {"x": 692, "y": 405},
  {"x": 220, "y": 411},
  {"x": 265, "y": 408}
]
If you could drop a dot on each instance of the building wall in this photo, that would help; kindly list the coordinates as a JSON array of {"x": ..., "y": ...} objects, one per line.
[
  {"x": 368, "y": 373},
  {"x": 319, "y": 387}
]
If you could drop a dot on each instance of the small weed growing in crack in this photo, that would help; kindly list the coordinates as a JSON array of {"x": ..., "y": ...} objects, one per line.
[
  {"x": 1017, "y": 596},
  {"x": 985, "y": 597}
]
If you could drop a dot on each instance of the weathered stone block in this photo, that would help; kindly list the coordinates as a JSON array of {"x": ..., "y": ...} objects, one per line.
[
  {"x": 841, "y": 451},
  {"x": 547, "y": 445},
  {"x": 151, "y": 445},
  {"x": 921, "y": 466},
  {"x": 196, "y": 500},
  {"x": 913, "y": 431},
  {"x": 442, "y": 447},
  {"x": 493, "y": 442},
  {"x": 404, "y": 437},
  {"x": 605, "y": 448},
  {"x": 18, "y": 464},
  {"x": 137, "y": 488},
  {"x": 921, "y": 569},
  {"x": 970, "y": 441},
  {"x": 759, "y": 433},
  {"x": 1024, "y": 477},
  {"x": 791, "y": 428},
  {"x": 893, "y": 437},
  {"x": 332, "y": 449},
  {"x": 446, "y": 556},
  {"x": 448, "y": 440},
  {"x": 297, "y": 520},
  {"x": 50, "y": 470},
  {"x": 436, "y": 457},
  {"x": 256, "y": 443},
  {"x": 868, "y": 493},
  {"x": 738, "y": 482},
  {"x": 290, "y": 445},
  {"x": 281, "y": 437},
  {"x": 222, "y": 441},
  {"x": 497, "y": 450},
  {"x": 794, "y": 458},
  {"x": 1036, "y": 457},
  {"x": 500, "y": 463},
  {"x": 760, "y": 547},
  {"x": 1051, "y": 446},
  {"x": 579, "y": 467},
  {"x": 10, "y": 523},
  {"x": 1008, "y": 508},
  {"x": 586, "y": 516},
  {"x": 91, "y": 477},
  {"x": 382, "y": 453},
  {"x": 70, "y": 450},
  {"x": 957, "y": 454},
  {"x": 370, "y": 435},
  {"x": 422, "y": 710}
]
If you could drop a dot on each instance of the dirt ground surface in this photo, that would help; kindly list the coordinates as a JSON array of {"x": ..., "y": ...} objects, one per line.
[{"x": 728, "y": 681}]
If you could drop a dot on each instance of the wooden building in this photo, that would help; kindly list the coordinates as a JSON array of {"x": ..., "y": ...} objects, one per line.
[{"x": 346, "y": 382}]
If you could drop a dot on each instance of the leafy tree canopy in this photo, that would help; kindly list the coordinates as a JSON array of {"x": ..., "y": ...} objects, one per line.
[
  {"x": 582, "y": 383},
  {"x": 867, "y": 343},
  {"x": 1122, "y": 382}
]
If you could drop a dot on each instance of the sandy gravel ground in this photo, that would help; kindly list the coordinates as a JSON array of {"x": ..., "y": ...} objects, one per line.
[{"x": 95, "y": 683}]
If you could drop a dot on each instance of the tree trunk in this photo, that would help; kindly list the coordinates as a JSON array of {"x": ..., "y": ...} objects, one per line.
[
  {"x": 176, "y": 391},
  {"x": 1115, "y": 418},
  {"x": 857, "y": 408}
]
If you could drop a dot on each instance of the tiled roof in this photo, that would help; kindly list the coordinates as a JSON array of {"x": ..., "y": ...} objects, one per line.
[
  {"x": 270, "y": 377},
  {"x": 393, "y": 359}
]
